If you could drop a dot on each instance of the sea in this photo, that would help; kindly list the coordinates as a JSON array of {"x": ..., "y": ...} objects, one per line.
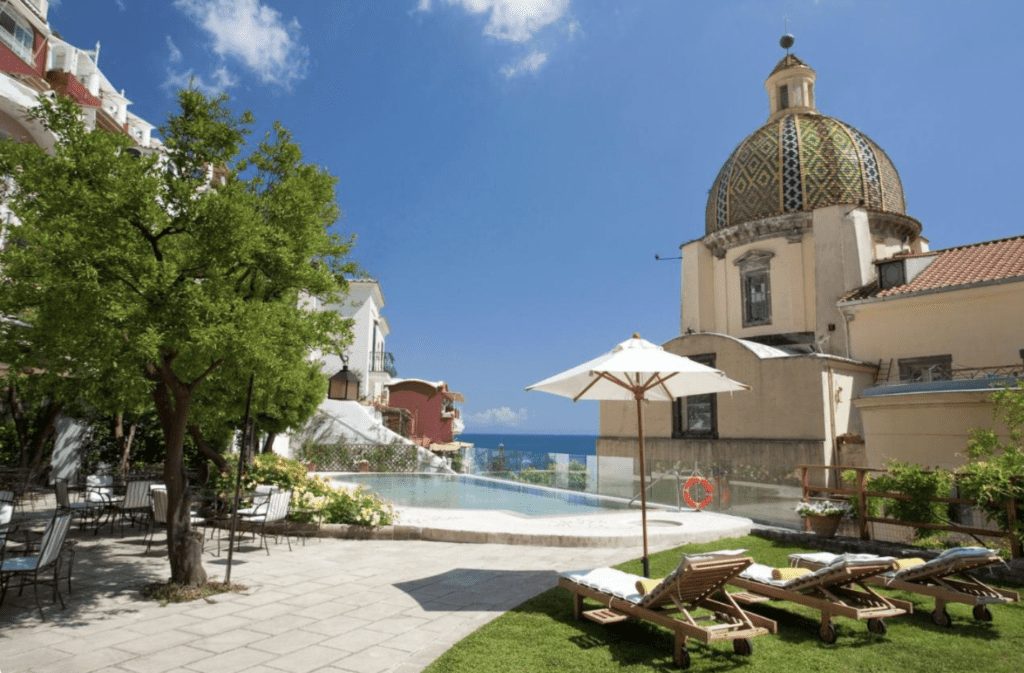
[{"x": 573, "y": 444}]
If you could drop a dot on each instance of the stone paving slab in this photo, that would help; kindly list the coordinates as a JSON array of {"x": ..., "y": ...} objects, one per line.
[{"x": 358, "y": 606}]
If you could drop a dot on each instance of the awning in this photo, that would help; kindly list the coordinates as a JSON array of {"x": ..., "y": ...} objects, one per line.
[
  {"x": 449, "y": 447},
  {"x": 454, "y": 397}
]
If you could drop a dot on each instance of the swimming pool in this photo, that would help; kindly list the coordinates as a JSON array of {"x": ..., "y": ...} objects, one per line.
[{"x": 459, "y": 491}]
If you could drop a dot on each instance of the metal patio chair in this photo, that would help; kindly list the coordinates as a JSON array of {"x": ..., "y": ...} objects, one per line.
[
  {"x": 88, "y": 512},
  {"x": 274, "y": 510},
  {"x": 159, "y": 516},
  {"x": 136, "y": 505},
  {"x": 6, "y": 514},
  {"x": 34, "y": 570}
]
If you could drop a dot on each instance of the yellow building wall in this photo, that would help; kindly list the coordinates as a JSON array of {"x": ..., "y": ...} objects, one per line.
[
  {"x": 929, "y": 429},
  {"x": 786, "y": 400},
  {"x": 979, "y": 327}
]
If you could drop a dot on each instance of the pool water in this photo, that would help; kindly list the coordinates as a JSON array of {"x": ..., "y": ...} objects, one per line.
[{"x": 465, "y": 492}]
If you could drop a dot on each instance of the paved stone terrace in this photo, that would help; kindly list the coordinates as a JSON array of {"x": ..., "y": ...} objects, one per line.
[{"x": 360, "y": 606}]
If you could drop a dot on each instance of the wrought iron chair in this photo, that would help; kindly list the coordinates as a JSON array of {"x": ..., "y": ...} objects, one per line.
[
  {"x": 136, "y": 505},
  {"x": 273, "y": 510},
  {"x": 6, "y": 514},
  {"x": 35, "y": 569},
  {"x": 88, "y": 512},
  {"x": 99, "y": 493},
  {"x": 159, "y": 516}
]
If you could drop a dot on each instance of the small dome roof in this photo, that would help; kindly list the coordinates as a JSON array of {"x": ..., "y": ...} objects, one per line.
[{"x": 797, "y": 163}]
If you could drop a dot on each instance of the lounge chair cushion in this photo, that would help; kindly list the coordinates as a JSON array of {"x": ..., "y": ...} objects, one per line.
[
  {"x": 609, "y": 581},
  {"x": 907, "y": 566},
  {"x": 712, "y": 555},
  {"x": 788, "y": 573},
  {"x": 644, "y": 586},
  {"x": 762, "y": 573}
]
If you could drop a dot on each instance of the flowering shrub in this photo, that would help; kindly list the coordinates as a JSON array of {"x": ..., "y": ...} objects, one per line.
[
  {"x": 824, "y": 508},
  {"x": 317, "y": 497},
  {"x": 360, "y": 507}
]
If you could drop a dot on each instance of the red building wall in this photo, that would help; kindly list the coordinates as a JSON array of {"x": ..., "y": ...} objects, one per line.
[
  {"x": 425, "y": 402},
  {"x": 11, "y": 62}
]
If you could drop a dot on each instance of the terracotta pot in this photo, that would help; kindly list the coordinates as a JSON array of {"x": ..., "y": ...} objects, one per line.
[{"x": 824, "y": 525}]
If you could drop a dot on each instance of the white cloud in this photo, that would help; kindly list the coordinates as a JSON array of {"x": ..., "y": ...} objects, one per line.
[
  {"x": 253, "y": 33},
  {"x": 531, "y": 63},
  {"x": 512, "y": 20},
  {"x": 175, "y": 55},
  {"x": 517, "y": 21},
  {"x": 222, "y": 80},
  {"x": 502, "y": 416}
]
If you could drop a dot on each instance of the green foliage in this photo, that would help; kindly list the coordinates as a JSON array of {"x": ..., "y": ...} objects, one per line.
[
  {"x": 134, "y": 273},
  {"x": 920, "y": 484},
  {"x": 148, "y": 445},
  {"x": 532, "y": 475},
  {"x": 343, "y": 457},
  {"x": 994, "y": 472},
  {"x": 577, "y": 476}
]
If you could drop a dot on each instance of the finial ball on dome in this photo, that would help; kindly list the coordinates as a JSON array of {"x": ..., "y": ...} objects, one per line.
[{"x": 787, "y": 40}]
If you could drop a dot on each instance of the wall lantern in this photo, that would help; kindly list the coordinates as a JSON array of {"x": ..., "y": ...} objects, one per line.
[{"x": 344, "y": 385}]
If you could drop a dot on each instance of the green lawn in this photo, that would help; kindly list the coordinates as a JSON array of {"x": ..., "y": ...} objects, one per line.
[{"x": 541, "y": 635}]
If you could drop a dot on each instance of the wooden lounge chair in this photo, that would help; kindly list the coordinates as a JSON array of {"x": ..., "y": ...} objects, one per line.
[
  {"x": 835, "y": 590},
  {"x": 673, "y": 601},
  {"x": 935, "y": 578}
]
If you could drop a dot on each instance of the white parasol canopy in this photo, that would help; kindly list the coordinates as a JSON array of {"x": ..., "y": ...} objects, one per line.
[{"x": 638, "y": 370}]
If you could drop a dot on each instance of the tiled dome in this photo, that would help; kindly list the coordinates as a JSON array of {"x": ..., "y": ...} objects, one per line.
[{"x": 800, "y": 162}]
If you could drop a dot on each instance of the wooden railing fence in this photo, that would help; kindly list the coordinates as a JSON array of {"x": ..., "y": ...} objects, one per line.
[{"x": 860, "y": 492}]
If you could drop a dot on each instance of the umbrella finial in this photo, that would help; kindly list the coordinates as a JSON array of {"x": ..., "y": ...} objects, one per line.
[{"x": 636, "y": 335}]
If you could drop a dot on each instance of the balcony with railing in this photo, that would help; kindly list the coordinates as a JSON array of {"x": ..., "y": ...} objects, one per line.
[{"x": 382, "y": 361}]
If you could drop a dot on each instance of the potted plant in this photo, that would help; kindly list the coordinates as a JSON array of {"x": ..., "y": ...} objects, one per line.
[{"x": 824, "y": 516}]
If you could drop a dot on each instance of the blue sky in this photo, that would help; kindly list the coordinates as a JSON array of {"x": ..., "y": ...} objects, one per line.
[{"x": 511, "y": 167}]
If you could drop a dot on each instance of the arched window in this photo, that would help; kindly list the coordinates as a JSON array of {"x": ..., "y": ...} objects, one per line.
[{"x": 15, "y": 32}]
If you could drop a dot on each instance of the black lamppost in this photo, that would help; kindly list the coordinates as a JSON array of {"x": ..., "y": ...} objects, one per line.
[{"x": 344, "y": 385}]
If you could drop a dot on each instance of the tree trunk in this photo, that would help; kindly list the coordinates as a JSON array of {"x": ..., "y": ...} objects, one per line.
[
  {"x": 197, "y": 436},
  {"x": 34, "y": 437},
  {"x": 42, "y": 441},
  {"x": 123, "y": 443},
  {"x": 268, "y": 445},
  {"x": 184, "y": 548}
]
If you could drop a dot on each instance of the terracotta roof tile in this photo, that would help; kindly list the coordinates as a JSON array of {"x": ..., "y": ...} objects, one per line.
[{"x": 955, "y": 267}]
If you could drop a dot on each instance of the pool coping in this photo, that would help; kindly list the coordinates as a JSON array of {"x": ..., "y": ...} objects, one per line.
[{"x": 498, "y": 527}]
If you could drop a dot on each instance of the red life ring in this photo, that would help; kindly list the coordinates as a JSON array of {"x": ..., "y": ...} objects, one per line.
[{"x": 708, "y": 492}]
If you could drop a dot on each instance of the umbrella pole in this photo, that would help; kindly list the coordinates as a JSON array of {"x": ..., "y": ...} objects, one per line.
[{"x": 643, "y": 486}]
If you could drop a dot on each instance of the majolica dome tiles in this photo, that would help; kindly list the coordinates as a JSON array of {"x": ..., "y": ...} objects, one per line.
[{"x": 798, "y": 163}]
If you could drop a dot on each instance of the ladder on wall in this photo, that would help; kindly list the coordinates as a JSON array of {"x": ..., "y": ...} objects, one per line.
[{"x": 882, "y": 373}]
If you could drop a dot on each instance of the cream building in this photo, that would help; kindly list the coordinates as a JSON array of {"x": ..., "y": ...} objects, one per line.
[{"x": 812, "y": 285}]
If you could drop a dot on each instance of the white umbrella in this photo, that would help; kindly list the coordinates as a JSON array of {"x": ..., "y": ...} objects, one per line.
[{"x": 638, "y": 370}]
